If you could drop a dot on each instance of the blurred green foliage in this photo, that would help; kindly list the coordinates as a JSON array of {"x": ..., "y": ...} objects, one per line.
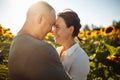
[
  {"x": 101, "y": 44},
  {"x": 6, "y": 38},
  {"x": 104, "y": 57}
]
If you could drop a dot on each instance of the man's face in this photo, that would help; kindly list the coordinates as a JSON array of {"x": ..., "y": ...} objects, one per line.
[{"x": 49, "y": 21}]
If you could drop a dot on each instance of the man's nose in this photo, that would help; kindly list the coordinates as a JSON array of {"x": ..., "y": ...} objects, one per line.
[{"x": 53, "y": 30}]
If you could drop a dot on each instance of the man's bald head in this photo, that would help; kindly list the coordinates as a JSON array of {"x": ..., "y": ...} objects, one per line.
[
  {"x": 40, "y": 19},
  {"x": 40, "y": 8}
]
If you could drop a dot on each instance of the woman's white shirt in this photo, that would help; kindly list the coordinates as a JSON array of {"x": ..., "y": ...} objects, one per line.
[{"x": 75, "y": 61}]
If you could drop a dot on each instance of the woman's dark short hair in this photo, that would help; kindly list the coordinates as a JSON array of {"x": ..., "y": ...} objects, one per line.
[{"x": 71, "y": 19}]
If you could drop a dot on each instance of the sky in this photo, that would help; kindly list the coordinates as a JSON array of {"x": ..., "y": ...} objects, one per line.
[{"x": 97, "y": 12}]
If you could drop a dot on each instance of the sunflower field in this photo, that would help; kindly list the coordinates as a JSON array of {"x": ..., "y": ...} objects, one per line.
[
  {"x": 101, "y": 44},
  {"x": 103, "y": 48},
  {"x": 6, "y": 38}
]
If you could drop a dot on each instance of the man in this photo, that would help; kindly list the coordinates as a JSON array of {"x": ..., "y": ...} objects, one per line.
[{"x": 30, "y": 58}]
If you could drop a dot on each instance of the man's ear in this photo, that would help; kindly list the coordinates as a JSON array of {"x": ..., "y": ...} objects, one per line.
[
  {"x": 71, "y": 29},
  {"x": 39, "y": 19}
]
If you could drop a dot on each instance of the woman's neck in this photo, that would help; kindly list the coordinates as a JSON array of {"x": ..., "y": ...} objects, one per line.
[{"x": 68, "y": 44}]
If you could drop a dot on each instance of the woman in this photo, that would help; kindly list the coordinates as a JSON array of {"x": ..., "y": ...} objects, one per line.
[{"x": 74, "y": 59}]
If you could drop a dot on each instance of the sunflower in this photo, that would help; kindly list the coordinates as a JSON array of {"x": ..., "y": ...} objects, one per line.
[
  {"x": 88, "y": 33},
  {"x": 114, "y": 58},
  {"x": 48, "y": 35},
  {"x": 0, "y": 30},
  {"x": 109, "y": 30},
  {"x": 118, "y": 32},
  {"x": 8, "y": 33},
  {"x": 102, "y": 31},
  {"x": 95, "y": 33},
  {"x": 81, "y": 34},
  {"x": 112, "y": 37}
]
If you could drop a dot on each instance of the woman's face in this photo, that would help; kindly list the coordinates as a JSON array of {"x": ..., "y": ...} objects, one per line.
[{"x": 60, "y": 31}]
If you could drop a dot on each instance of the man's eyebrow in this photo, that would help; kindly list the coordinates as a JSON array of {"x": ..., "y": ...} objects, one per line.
[
  {"x": 56, "y": 24},
  {"x": 53, "y": 23}
]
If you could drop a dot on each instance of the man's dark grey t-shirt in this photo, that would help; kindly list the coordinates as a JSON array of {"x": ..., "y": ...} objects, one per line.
[{"x": 33, "y": 59}]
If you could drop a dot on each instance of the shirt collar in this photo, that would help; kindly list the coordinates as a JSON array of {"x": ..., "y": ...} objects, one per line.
[
  {"x": 72, "y": 49},
  {"x": 69, "y": 51}
]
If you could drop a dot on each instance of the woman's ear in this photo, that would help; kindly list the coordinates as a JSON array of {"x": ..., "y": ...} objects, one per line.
[{"x": 71, "y": 29}]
